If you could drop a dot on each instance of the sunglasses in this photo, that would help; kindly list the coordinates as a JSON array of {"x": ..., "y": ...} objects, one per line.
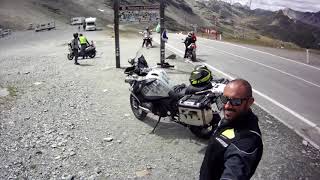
[{"x": 233, "y": 101}]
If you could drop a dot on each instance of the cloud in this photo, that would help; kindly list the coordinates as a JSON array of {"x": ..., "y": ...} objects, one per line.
[{"x": 299, "y": 5}]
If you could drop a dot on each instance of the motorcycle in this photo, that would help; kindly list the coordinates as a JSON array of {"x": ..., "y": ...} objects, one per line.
[
  {"x": 89, "y": 51},
  {"x": 151, "y": 90},
  {"x": 191, "y": 52},
  {"x": 148, "y": 41}
]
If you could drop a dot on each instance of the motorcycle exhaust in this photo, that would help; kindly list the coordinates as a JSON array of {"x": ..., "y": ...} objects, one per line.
[{"x": 145, "y": 109}]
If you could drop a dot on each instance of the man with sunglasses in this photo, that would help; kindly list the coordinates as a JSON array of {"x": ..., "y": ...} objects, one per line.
[{"x": 235, "y": 148}]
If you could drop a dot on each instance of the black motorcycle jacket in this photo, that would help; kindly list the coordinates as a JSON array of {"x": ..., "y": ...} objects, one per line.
[
  {"x": 188, "y": 41},
  {"x": 234, "y": 151}
]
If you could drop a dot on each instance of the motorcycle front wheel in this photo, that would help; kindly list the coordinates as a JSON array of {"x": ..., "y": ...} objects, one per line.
[
  {"x": 70, "y": 56},
  {"x": 92, "y": 55},
  {"x": 137, "y": 112},
  {"x": 202, "y": 132}
]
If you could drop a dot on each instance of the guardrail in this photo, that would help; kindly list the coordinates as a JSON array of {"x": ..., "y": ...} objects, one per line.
[{"x": 5, "y": 32}]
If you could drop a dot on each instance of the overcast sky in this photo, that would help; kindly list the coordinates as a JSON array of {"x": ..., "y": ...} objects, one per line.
[{"x": 299, "y": 5}]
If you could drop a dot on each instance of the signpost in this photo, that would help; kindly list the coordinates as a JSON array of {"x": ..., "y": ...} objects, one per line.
[
  {"x": 116, "y": 31},
  {"x": 139, "y": 13},
  {"x": 162, "y": 63},
  {"x": 162, "y": 44},
  {"x": 131, "y": 14}
]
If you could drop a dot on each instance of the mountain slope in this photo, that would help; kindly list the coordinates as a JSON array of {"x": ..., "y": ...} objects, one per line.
[
  {"x": 235, "y": 21},
  {"x": 280, "y": 26},
  {"x": 305, "y": 17}
]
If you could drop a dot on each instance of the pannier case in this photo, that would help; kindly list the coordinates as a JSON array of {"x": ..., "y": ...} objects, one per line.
[{"x": 195, "y": 110}]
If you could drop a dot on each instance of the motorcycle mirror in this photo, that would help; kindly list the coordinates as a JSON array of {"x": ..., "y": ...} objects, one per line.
[
  {"x": 131, "y": 61},
  {"x": 138, "y": 53}
]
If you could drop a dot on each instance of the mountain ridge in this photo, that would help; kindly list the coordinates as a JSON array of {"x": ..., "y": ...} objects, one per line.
[{"x": 234, "y": 21}]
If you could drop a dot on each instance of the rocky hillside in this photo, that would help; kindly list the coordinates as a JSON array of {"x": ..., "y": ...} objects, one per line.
[
  {"x": 18, "y": 14},
  {"x": 286, "y": 25},
  {"x": 280, "y": 26},
  {"x": 234, "y": 21},
  {"x": 305, "y": 17}
]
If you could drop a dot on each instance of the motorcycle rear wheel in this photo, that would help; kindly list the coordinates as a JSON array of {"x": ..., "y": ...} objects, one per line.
[
  {"x": 193, "y": 57},
  {"x": 137, "y": 112},
  {"x": 70, "y": 56},
  {"x": 202, "y": 132}
]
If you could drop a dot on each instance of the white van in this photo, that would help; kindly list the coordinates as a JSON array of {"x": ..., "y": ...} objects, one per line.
[
  {"x": 77, "y": 20},
  {"x": 90, "y": 24}
]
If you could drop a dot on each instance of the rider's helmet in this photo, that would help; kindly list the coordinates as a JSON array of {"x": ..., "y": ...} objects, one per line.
[
  {"x": 147, "y": 28},
  {"x": 200, "y": 66},
  {"x": 189, "y": 34},
  {"x": 201, "y": 75},
  {"x": 75, "y": 35}
]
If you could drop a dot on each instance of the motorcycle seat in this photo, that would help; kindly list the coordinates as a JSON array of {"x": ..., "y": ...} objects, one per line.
[
  {"x": 178, "y": 91},
  {"x": 219, "y": 80},
  {"x": 193, "y": 89}
]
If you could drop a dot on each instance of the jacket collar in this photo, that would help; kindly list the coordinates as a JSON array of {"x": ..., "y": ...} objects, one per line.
[{"x": 243, "y": 121}]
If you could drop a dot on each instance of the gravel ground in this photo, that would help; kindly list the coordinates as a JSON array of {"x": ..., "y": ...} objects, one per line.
[{"x": 63, "y": 121}]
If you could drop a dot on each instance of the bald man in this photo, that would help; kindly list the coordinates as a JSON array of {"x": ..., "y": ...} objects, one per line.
[{"x": 235, "y": 148}]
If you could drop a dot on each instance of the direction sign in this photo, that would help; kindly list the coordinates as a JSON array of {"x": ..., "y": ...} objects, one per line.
[{"x": 139, "y": 13}]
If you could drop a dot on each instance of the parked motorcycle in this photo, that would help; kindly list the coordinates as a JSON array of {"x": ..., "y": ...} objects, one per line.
[
  {"x": 90, "y": 51},
  {"x": 148, "y": 42},
  {"x": 197, "y": 108},
  {"x": 191, "y": 52}
]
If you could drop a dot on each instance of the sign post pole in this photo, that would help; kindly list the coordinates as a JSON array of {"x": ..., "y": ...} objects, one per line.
[
  {"x": 162, "y": 44},
  {"x": 162, "y": 63},
  {"x": 116, "y": 31}
]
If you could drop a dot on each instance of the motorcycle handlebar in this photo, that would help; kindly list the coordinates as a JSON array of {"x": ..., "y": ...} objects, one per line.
[{"x": 211, "y": 93}]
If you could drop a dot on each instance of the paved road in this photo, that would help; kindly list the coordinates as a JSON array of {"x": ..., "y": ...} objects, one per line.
[{"x": 288, "y": 89}]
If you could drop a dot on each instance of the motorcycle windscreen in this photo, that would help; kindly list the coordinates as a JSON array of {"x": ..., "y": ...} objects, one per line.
[{"x": 156, "y": 89}]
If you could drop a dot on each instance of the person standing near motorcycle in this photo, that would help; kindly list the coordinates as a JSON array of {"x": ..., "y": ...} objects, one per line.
[
  {"x": 84, "y": 44},
  {"x": 84, "y": 25},
  {"x": 75, "y": 47},
  {"x": 146, "y": 37},
  {"x": 235, "y": 148},
  {"x": 191, "y": 38}
]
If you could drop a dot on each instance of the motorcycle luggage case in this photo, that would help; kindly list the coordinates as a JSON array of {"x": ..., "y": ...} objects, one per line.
[{"x": 195, "y": 110}]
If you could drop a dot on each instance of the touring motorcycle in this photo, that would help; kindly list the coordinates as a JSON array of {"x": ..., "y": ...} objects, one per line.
[
  {"x": 148, "y": 42},
  {"x": 153, "y": 92},
  {"x": 89, "y": 51},
  {"x": 191, "y": 52}
]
